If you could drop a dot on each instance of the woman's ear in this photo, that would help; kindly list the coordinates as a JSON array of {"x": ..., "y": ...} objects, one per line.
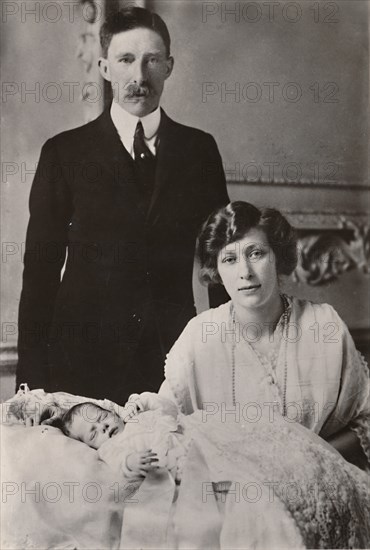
[{"x": 216, "y": 278}]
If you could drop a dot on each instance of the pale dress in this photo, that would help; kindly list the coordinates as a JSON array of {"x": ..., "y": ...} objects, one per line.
[{"x": 306, "y": 494}]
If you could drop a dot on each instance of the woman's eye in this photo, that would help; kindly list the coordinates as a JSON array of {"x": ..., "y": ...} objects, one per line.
[
  {"x": 229, "y": 260},
  {"x": 255, "y": 254}
]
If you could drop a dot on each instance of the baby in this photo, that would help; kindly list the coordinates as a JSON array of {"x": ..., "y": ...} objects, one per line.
[{"x": 149, "y": 438}]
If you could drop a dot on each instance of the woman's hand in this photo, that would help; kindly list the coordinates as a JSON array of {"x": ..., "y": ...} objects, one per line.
[{"x": 140, "y": 463}]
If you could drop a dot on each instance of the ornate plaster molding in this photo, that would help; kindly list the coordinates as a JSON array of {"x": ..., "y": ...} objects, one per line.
[
  {"x": 88, "y": 53},
  {"x": 323, "y": 256}
]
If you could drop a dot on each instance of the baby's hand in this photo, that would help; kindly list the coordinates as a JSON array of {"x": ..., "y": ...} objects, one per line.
[
  {"x": 136, "y": 399},
  {"x": 132, "y": 407},
  {"x": 141, "y": 463}
]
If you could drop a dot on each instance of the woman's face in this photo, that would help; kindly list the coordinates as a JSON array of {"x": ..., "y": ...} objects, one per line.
[{"x": 248, "y": 270}]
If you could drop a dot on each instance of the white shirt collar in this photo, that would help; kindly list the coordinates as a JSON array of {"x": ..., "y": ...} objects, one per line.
[{"x": 126, "y": 123}]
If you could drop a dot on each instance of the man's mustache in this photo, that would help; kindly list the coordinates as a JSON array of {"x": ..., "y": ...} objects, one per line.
[{"x": 133, "y": 90}]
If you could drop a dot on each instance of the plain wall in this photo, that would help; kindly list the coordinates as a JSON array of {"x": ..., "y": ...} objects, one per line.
[
  {"x": 42, "y": 81},
  {"x": 217, "y": 51}
]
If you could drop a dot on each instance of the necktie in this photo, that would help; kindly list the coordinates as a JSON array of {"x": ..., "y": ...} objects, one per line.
[
  {"x": 141, "y": 150},
  {"x": 145, "y": 163}
]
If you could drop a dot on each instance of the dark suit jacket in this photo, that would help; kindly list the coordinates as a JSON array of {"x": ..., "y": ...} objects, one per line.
[{"x": 128, "y": 268}]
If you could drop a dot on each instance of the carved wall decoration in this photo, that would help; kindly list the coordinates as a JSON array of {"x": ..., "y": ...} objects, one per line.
[
  {"x": 88, "y": 52},
  {"x": 332, "y": 222},
  {"x": 324, "y": 256}
]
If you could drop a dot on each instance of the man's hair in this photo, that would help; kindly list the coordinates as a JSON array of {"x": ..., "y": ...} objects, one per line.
[
  {"x": 130, "y": 18},
  {"x": 231, "y": 223}
]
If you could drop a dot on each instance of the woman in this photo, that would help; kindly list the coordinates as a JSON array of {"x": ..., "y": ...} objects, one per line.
[{"x": 283, "y": 368}]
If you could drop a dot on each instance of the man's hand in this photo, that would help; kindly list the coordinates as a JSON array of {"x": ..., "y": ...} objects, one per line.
[{"x": 141, "y": 463}]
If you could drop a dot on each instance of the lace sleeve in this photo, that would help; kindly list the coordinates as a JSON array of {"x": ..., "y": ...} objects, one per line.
[
  {"x": 31, "y": 407},
  {"x": 360, "y": 424},
  {"x": 353, "y": 405},
  {"x": 178, "y": 384}
]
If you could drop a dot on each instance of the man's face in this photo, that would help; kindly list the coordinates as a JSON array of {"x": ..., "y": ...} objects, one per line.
[{"x": 137, "y": 66}]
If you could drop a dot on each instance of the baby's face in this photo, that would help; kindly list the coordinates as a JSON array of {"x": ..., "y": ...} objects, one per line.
[{"x": 94, "y": 426}]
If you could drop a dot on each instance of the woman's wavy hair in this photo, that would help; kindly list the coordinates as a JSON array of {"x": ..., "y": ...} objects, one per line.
[{"x": 231, "y": 223}]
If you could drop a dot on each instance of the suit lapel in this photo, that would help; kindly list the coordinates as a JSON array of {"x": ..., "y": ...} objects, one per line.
[
  {"x": 113, "y": 158},
  {"x": 109, "y": 152},
  {"x": 169, "y": 158}
]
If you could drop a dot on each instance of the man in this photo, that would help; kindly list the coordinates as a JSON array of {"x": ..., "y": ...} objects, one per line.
[{"x": 124, "y": 196}]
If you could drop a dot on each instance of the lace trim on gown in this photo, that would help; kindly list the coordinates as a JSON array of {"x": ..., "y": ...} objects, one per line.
[
  {"x": 327, "y": 497},
  {"x": 28, "y": 407},
  {"x": 361, "y": 423},
  {"x": 269, "y": 362},
  {"x": 179, "y": 364},
  {"x": 361, "y": 427}
]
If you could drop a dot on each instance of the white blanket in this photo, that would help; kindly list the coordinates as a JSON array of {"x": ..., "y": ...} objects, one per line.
[{"x": 56, "y": 493}]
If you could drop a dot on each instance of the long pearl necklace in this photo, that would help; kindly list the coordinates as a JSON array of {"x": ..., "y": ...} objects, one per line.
[{"x": 285, "y": 334}]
